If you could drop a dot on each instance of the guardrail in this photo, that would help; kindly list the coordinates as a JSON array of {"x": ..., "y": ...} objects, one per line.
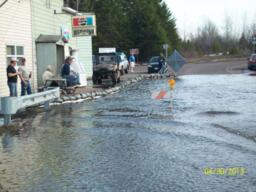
[{"x": 10, "y": 105}]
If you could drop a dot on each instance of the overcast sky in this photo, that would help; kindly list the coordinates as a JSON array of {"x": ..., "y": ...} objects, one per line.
[{"x": 190, "y": 14}]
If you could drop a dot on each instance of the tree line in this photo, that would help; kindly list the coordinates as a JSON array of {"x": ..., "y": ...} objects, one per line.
[
  {"x": 126, "y": 24},
  {"x": 209, "y": 40}
]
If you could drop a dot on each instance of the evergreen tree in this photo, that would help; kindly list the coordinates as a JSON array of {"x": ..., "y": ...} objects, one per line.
[{"x": 125, "y": 24}]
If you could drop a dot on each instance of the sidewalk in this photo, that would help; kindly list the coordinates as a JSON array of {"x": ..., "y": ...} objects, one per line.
[
  {"x": 92, "y": 92},
  {"x": 139, "y": 70}
]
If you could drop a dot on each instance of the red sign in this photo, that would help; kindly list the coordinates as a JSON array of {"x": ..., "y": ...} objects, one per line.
[{"x": 134, "y": 52}]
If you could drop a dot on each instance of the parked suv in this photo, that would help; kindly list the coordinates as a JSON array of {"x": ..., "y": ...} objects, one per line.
[
  {"x": 107, "y": 66},
  {"x": 252, "y": 62}
]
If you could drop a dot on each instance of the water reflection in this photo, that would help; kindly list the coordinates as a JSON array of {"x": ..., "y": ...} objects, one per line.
[{"x": 131, "y": 142}]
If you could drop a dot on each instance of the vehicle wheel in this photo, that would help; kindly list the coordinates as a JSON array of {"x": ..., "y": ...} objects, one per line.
[
  {"x": 116, "y": 77},
  {"x": 122, "y": 71}
]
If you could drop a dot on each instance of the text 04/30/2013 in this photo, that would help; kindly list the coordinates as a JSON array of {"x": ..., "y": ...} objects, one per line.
[{"x": 232, "y": 171}]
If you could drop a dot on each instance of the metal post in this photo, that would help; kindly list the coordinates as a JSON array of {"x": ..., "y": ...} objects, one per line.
[
  {"x": 47, "y": 106},
  {"x": 7, "y": 120},
  {"x": 77, "y": 5},
  {"x": 253, "y": 44}
]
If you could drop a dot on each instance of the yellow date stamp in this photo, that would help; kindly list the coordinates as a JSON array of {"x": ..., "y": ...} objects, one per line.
[{"x": 231, "y": 171}]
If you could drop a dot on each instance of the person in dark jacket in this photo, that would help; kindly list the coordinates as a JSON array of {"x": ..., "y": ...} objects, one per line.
[
  {"x": 67, "y": 73},
  {"x": 12, "y": 76}
]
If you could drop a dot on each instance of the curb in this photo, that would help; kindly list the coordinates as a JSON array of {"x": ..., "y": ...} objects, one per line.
[{"x": 98, "y": 94}]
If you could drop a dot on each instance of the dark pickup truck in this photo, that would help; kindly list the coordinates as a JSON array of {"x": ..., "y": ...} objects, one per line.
[{"x": 106, "y": 66}]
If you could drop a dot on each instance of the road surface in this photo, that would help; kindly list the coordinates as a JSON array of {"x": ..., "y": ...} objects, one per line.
[{"x": 199, "y": 137}]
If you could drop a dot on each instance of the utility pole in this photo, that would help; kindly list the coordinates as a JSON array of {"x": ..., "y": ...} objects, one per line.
[
  {"x": 165, "y": 47},
  {"x": 253, "y": 44},
  {"x": 77, "y": 5}
]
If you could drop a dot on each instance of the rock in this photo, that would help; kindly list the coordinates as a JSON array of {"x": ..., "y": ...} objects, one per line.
[
  {"x": 84, "y": 95},
  {"x": 88, "y": 95},
  {"x": 78, "y": 97},
  {"x": 58, "y": 100},
  {"x": 93, "y": 94},
  {"x": 104, "y": 93},
  {"x": 108, "y": 91},
  {"x": 65, "y": 98},
  {"x": 73, "y": 98}
]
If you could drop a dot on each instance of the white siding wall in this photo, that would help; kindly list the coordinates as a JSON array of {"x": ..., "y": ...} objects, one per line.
[
  {"x": 15, "y": 29},
  {"x": 84, "y": 45},
  {"x": 45, "y": 22}
]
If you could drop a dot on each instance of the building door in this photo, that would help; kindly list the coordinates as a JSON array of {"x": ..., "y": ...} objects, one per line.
[{"x": 60, "y": 58}]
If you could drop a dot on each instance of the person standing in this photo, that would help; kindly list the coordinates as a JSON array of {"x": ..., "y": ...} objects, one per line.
[
  {"x": 12, "y": 76},
  {"x": 132, "y": 62},
  {"x": 161, "y": 64},
  {"x": 25, "y": 76}
]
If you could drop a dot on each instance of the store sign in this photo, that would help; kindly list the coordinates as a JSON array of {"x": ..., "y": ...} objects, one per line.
[
  {"x": 107, "y": 50},
  {"x": 134, "y": 51},
  {"x": 84, "y": 25}
]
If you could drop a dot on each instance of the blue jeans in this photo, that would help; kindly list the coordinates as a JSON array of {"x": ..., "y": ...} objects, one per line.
[
  {"x": 25, "y": 88},
  {"x": 72, "y": 80},
  {"x": 13, "y": 89}
]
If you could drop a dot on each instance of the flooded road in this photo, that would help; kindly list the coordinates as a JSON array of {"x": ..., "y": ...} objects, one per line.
[{"x": 200, "y": 137}]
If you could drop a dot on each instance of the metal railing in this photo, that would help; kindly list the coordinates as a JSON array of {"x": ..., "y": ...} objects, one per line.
[{"x": 10, "y": 105}]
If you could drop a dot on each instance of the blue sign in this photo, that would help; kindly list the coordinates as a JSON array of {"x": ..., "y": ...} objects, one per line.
[{"x": 176, "y": 61}]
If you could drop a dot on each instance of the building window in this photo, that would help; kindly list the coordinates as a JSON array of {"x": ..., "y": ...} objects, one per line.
[{"x": 16, "y": 51}]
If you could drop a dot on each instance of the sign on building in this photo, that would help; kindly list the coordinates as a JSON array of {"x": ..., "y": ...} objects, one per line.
[
  {"x": 84, "y": 25},
  {"x": 107, "y": 50},
  {"x": 134, "y": 51},
  {"x": 65, "y": 33}
]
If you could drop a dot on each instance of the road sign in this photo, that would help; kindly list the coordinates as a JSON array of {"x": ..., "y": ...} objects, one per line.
[
  {"x": 165, "y": 46},
  {"x": 134, "y": 51},
  {"x": 107, "y": 50},
  {"x": 176, "y": 61}
]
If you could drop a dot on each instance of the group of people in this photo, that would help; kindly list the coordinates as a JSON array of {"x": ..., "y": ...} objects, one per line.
[
  {"x": 12, "y": 77},
  {"x": 72, "y": 77},
  {"x": 67, "y": 72}
]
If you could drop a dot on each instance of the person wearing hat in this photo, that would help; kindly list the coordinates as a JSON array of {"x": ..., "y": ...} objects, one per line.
[
  {"x": 47, "y": 75},
  {"x": 25, "y": 76},
  {"x": 12, "y": 76},
  {"x": 69, "y": 74}
]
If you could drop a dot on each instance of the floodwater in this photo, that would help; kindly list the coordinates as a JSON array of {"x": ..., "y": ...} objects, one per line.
[{"x": 200, "y": 137}]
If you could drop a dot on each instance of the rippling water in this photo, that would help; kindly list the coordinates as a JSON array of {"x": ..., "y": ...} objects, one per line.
[{"x": 130, "y": 141}]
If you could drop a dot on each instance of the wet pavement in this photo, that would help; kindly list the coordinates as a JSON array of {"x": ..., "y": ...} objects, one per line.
[{"x": 200, "y": 137}]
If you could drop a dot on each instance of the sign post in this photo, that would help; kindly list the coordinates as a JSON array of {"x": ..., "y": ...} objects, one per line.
[
  {"x": 253, "y": 44},
  {"x": 165, "y": 47}
]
